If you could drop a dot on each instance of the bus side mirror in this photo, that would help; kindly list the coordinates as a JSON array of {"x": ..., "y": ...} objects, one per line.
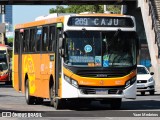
[{"x": 61, "y": 46}]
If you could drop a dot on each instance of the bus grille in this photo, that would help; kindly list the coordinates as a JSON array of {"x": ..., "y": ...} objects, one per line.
[{"x": 108, "y": 91}]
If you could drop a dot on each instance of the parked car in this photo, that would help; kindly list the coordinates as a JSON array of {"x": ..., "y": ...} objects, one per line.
[{"x": 145, "y": 81}]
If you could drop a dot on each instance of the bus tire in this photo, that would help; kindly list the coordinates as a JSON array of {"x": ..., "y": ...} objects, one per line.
[
  {"x": 51, "y": 96},
  {"x": 39, "y": 100},
  {"x": 116, "y": 103},
  {"x": 29, "y": 99},
  {"x": 58, "y": 103}
]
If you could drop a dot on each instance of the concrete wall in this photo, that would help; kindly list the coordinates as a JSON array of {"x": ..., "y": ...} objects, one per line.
[{"x": 150, "y": 35}]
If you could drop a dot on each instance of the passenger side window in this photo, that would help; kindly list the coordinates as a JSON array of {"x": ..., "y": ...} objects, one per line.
[
  {"x": 16, "y": 42},
  {"x": 26, "y": 41},
  {"x": 38, "y": 39},
  {"x": 52, "y": 39},
  {"x": 32, "y": 40},
  {"x": 45, "y": 39}
]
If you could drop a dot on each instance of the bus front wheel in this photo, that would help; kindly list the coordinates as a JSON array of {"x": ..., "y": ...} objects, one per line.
[
  {"x": 58, "y": 103},
  {"x": 29, "y": 99},
  {"x": 51, "y": 95}
]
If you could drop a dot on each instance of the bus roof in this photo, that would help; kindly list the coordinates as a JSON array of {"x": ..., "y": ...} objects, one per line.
[
  {"x": 2, "y": 45},
  {"x": 61, "y": 19},
  {"x": 40, "y": 22}
]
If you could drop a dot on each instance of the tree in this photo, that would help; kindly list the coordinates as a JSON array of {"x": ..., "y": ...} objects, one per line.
[
  {"x": 9, "y": 42},
  {"x": 85, "y": 8},
  {"x": 59, "y": 9}
]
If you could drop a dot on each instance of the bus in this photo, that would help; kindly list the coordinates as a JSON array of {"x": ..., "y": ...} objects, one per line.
[
  {"x": 5, "y": 66},
  {"x": 77, "y": 58}
]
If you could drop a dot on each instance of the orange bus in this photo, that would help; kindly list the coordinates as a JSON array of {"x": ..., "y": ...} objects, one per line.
[
  {"x": 79, "y": 57},
  {"x": 5, "y": 60}
]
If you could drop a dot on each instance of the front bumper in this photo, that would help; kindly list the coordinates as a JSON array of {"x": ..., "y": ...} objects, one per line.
[
  {"x": 149, "y": 86},
  {"x": 4, "y": 78},
  {"x": 68, "y": 91}
]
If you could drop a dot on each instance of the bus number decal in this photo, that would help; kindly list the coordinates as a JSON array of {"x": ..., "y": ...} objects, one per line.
[{"x": 81, "y": 21}]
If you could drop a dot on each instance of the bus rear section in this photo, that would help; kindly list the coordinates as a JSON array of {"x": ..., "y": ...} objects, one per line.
[{"x": 5, "y": 69}]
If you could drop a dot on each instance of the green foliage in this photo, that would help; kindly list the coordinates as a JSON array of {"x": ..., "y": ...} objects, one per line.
[
  {"x": 114, "y": 8},
  {"x": 10, "y": 40},
  {"x": 58, "y": 9},
  {"x": 85, "y": 8}
]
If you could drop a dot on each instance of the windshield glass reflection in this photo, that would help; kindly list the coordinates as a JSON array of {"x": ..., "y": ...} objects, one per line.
[{"x": 100, "y": 49}]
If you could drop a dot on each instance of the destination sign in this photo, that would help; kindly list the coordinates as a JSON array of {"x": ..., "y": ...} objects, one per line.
[{"x": 101, "y": 22}]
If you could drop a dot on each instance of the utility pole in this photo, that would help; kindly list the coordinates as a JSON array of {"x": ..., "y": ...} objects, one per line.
[
  {"x": 105, "y": 8},
  {"x": 123, "y": 9}
]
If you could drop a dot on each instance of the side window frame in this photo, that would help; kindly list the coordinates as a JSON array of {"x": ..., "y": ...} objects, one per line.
[
  {"x": 45, "y": 39},
  {"x": 26, "y": 41},
  {"x": 52, "y": 38},
  {"x": 32, "y": 40},
  {"x": 38, "y": 39},
  {"x": 16, "y": 41}
]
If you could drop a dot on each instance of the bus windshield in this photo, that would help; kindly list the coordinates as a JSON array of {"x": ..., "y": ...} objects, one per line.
[
  {"x": 100, "y": 49},
  {"x": 3, "y": 56},
  {"x": 3, "y": 66}
]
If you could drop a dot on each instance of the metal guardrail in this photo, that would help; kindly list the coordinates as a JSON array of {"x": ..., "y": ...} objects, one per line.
[{"x": 154, "y": 25}]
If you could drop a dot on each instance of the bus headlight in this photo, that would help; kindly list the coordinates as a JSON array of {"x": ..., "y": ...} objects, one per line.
[
  {"x": 67, "y": 79},
  {"x": 5, "y": 73},
  {"x": 71, "y": 81},
  {"x": 75, "y": 83},
  {"x": 130, "y": 82}
]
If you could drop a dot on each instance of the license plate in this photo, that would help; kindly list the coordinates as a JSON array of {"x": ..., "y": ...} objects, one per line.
[
  {"x": 101, "y": 92},
  {"x": 140, "y": 86}
]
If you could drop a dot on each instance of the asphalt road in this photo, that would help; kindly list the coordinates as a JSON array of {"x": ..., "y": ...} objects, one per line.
[{"x": 13, "y": 101}]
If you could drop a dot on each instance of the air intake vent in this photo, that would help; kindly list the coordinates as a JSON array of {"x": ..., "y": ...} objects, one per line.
[{"x": 102, "y": 74}]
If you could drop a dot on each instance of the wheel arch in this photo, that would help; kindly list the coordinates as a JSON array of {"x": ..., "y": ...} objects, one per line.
[
  {"x": 25, "y": 80},
  {"x": 51, "y": 81}
]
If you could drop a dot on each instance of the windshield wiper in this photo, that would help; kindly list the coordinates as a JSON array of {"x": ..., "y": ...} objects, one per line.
[
  {"x": 114, "y": 37},
  {"x": 116, "y": 34},
  {"x": 112, "y": 40}
]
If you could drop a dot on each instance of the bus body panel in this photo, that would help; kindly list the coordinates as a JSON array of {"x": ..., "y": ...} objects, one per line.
[
  {"x": 38, "y": 69},
  {"x": 15, "y": 73},
  {"x": 129, "y": 92},
  {"x": 87, "y": 81},
  {"x": 40, "y": 22},
  {"x": 70, "y": 91}
]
